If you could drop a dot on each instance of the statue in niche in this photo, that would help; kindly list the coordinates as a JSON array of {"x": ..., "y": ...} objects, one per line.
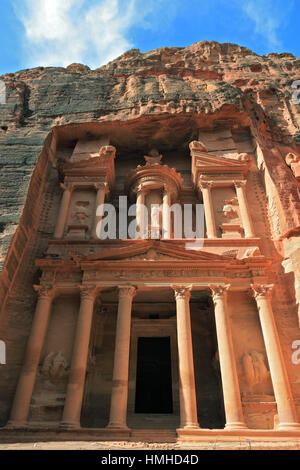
[
  {"x": 154, "y": 157},
  {"x": 255, "y": 369},
  {"x": 55, "y": 366},
  {"x": 81, "y": 213},
  {"x": 229, "y": 209}
]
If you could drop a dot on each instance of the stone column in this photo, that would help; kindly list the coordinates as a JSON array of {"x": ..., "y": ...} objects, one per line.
[
  {"x": 118, "y": 406},
  {"x": 188, "y": 403},
  {"x": 208, "y": 209},
  {"x": 63, "y": 211},
  {"x": 141, "y": 221},
  {"x": 231, "y": 390},
  {"x": 240, "y": 187},
  {"x": 21, "y": 404},
  {"x": 75, "y": 388},
  {"x": 166, "y": 216},
  {"x": 282, "y": 391},
  {"x": 102, "y": 189}
]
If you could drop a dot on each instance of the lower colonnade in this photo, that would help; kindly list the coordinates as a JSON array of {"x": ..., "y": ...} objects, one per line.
[{"x": 119, "y": 394}]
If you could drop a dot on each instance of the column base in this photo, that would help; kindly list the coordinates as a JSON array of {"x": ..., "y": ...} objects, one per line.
[
  {"x": 188, "y": 427},
  {"x": 66, "y": 425},
  {"x": 118, "y": 426},
  {"x": 288, "y": 427},
  {"x": 16, "y": 424},
  {"x": 234, "y": 426}
]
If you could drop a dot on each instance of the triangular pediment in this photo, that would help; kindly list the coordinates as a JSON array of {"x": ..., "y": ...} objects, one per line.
[{"x": 148, "y": 250}]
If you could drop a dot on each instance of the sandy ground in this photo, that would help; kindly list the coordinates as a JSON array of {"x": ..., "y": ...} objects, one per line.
[{"x": 127, "y": 445}]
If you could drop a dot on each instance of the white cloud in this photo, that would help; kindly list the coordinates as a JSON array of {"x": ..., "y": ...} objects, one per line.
[
  {"x": 59, "y": 32},
  {"x": 268, "y": 17}
]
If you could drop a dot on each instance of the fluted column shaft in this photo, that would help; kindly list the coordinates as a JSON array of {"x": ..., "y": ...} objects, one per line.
[
  {"x": 102, "y": 189},
  {"x": 75, "y": 388},
  {"x": 63, "y": 211},
  {"x": 188, "y": 403},
  {"x": 118, "y": 406},
  {"x": 20, "y": 408},
  {"x": 244, "y": 209},
  {"x": 231, "y": 390},
  {"x": 282, "y": 391},
  {"x": 211, "y": 230}
]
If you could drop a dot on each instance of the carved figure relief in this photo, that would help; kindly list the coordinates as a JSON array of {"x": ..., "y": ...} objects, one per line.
[
  {"x": 255, "y": 369},
  {"x": 81, "y": 213},
  {"x": 55, "y": 366}
]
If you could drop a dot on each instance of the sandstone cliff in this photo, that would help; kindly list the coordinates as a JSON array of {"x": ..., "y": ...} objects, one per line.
[{"x": 207, "y": 85}]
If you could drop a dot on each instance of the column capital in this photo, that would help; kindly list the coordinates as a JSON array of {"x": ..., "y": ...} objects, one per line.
[
  {"x": 262, "y": 290},
  {"x": 127, "y": 291},
  {"x": 45, "y": 290},
  {"x": 219, "y": 290},
  {"x": 240, "y": 184},
  {"x": 140, "y": 188},
  {"x": 182, "y": 292},
  {"x": 67, "y": 186},
  {"x": 204, "y": 184},
  {"x": 101, "y": 185},
  {"x": 88, "y": 292}
]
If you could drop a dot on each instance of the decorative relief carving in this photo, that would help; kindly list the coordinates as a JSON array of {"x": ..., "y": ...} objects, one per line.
[
  {"x": 244, "y": 157},
  {"x": 154, "y": 158},
  {"x": 251, "y": 252},
  {"x": 254, "y": 368},
  {"x": 198, "y": 145},
  {"x": 107, "y": 151},
  {"x": 293, "y": 161},
  {"x": 81, "y": 212},
  {"x": 55, "y": 366}
]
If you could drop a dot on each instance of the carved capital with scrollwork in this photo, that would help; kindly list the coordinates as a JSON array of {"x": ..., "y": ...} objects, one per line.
[
  {"x": 88, "y": 291},
  {"x": 219, "y": 290},
  {"x": 45, "y": 291},
  {"x": 182, "y": 292},
  {"x": 127, "y": 292},
  {"x": 262, "y": 291}
]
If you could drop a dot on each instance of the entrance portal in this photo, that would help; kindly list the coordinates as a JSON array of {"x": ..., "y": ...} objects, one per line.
[{"x": 154, "y": 376}]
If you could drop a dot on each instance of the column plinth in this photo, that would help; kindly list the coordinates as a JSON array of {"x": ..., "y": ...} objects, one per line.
[
  {"x": 231, "y": 390},
  {"x": 211, "y": 230},
  {"x": 21, "y": 403},
  {"x": 118, "y": 406},
  {"x": 285, "y": 404},
  {"x": 188, "y": 403},
  {"x": 244, "y": 209},
  {"x": 75, "y": 388},
  {"x": 63, "y": 211}
]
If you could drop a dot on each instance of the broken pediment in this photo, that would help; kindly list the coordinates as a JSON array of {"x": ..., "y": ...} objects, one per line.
[{"x": 204, "y": 162}]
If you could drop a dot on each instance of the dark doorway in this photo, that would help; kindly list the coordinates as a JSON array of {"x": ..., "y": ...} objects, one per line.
[{"x": 153, "y": 376}]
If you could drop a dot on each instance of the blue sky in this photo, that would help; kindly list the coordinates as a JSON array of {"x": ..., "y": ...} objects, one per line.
[{"x": 59, "y": 32}]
